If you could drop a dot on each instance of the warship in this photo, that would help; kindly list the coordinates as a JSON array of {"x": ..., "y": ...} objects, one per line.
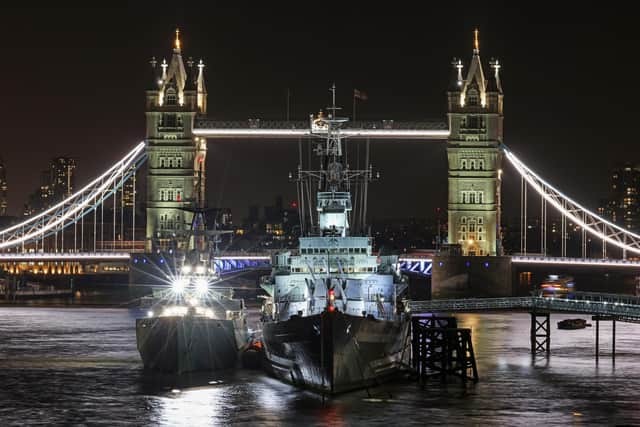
[
  {"x": 334, "y": 317},
  {"x": 193, "y": 323}
]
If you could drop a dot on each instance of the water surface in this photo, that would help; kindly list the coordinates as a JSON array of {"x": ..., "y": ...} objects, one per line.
[{"x": 80, "y": 366}]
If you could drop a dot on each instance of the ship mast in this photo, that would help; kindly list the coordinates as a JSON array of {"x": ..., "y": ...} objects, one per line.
[{"x": 333, "y": 180}]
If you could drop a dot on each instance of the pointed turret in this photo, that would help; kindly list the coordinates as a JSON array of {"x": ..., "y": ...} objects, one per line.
[
  {"x": 174, "y": 77},
  {"x": 201, "y": 88},
  {"x": 475, "y": 86},
  {"x": 494, "y": 80},
  {"x": 455, "y": 82},
  {"x": 192, "y": 72},
  {"x": 156, "y": 74}
]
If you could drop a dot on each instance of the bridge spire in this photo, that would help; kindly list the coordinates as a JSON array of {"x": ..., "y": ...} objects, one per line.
[
  {"x": 476, "y": 42},
  {"x": 177, "y": 42}
]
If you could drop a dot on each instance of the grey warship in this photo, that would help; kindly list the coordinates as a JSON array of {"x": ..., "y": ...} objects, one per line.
[{"x": 334, "y": 318}]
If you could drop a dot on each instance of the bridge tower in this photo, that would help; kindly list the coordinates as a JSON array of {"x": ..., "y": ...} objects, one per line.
[
  {"x": 176, "y": 158},
  {"x": 475, "y": 110}
]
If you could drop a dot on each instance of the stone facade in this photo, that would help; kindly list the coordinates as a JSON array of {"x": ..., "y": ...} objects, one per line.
[
  {"x": 176, "y": 158},
  {"x": 475, "y": 111}
]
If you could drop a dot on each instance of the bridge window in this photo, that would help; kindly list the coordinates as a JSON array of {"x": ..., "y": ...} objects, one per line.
[
  {"x": 480, "y": 220},
  {"x": 463, "y": 164},
  {"x": 472, "y": 196},
  {"x": 179, "y": 162},
  {"x": 472, "y": 97},
  {"x": 163, "y": 194},
  {"x": 169, "y": 120},
  {"x": 172, "y": 98},
  {"x": 473, "y": 164},
  {"x": 162, "y": 162},
  {"x": 474, "y": 122},
  {"x": 170, "y": 162},
  {"x": 463, "y": 220},
  {"x": 481, "y": 164}
]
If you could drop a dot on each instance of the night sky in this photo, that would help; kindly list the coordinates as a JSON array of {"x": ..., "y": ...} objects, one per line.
[{"x": 73, "y": 83}]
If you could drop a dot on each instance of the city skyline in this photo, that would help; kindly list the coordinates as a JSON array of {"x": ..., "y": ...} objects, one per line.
[{"x": 90, "y": 102}]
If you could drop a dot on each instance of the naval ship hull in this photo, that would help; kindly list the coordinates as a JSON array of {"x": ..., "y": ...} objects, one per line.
[
  {"x": 334, "y": 352},
  {"x": 184, "y": 344}
]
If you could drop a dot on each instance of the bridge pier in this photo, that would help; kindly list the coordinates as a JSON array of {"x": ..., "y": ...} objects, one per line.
[{"x": 540, "y": 333}]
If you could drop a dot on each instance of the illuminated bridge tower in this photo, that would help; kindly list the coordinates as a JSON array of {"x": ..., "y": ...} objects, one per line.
[
  {"x": 475, "y": 106},
  {"x": 176, "y": 162}
]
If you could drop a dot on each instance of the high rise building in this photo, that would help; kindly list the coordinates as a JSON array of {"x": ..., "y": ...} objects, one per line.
[
  {"x": 176, "y": 158},
  {"x": 62, "y": 179},
  {"x": 623, "y": 206},
  {"x": 129, "y": 190},
  {"x": 3, "y": 189},
  {"x": 56, "y": 183},
  {"x": 475, "y": 106}
]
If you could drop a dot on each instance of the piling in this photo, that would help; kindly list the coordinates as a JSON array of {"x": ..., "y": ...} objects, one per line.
[
  {"x": 540, "y": 333},
  {"x": 441, "y": 349}
]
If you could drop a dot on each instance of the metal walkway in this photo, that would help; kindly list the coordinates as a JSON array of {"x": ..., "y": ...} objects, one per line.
[{"x": 623, "y": 307}]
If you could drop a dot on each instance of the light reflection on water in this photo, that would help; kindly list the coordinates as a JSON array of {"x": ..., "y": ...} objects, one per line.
[{"x": 81, "y": 366}]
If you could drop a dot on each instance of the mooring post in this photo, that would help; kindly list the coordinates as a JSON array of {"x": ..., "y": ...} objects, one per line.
[
  {"x": 613, "y": 352},
  {"x": 533, "y": 334},
  {"x": 540, "y": 333},
  {"x": 597, "y": 336}
]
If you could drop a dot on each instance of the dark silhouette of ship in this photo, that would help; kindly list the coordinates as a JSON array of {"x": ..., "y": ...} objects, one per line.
[{"x": 193, "y": 323}]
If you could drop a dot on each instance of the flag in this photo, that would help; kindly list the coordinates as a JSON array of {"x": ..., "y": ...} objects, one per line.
[{"x": 360, "y": 95}]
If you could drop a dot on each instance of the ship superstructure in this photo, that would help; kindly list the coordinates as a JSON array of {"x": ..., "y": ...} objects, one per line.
[{"x": 334, "y": 318}]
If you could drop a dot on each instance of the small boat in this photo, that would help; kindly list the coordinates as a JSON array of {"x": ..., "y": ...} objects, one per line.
[{"x": 573, "y": 324}]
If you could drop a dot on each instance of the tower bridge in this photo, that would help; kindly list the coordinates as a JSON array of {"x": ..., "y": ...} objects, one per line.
[{"x": 95, "y": 221}]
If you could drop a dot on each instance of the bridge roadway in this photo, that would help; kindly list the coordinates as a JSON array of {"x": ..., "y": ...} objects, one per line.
[
  {"x": 282, "y": 130},
  {"x": 410, "y": 263},
  {"x": 625, "y": 308}
]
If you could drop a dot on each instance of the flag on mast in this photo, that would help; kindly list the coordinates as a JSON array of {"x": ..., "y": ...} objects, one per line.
[{"x": 360, "y": 95}]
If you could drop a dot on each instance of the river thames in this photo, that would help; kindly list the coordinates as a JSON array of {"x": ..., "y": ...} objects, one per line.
[{"x": 80, "y": 366}]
